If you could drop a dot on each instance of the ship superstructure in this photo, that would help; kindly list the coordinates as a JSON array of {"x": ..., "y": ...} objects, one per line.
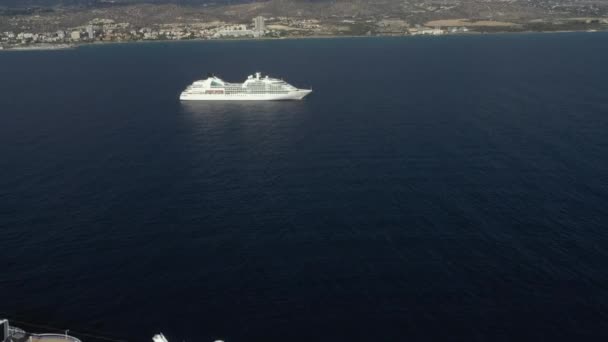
[{"x": 255, "y": 88}]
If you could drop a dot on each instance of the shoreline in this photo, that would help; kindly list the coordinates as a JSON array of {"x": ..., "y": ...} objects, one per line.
[
  {"x": 67, "y": 46},
  {"x": 41, "y": 47}
]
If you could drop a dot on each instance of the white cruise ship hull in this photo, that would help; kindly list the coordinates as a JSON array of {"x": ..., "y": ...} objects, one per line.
[{"x": 294, "y": 95}]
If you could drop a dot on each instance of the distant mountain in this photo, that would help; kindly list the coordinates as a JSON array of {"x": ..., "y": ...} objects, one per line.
[{"x": 92, "y": 3}]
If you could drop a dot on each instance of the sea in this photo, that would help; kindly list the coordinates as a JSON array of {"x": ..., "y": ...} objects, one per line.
[{"x": 429, "y": 189}]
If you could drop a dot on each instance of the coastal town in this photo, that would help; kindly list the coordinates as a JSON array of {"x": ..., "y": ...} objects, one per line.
[
  {"x": 39, "y": 28},
  {"x": 107, "y": 30}
]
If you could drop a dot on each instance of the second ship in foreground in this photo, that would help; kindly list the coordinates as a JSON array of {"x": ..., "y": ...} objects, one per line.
[{"x": 256, "y": 88}]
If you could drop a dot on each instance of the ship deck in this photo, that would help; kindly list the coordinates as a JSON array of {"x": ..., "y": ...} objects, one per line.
[{"x": 27, "y": 337}]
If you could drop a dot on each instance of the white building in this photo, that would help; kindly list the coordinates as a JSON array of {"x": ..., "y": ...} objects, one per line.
[
  {"x": 426, "y": 31},
  {"x": 259, "y": 27},
  {"x": 75, "y": 35},
  {"x": 458, "y": 29},
  {"x": 234, "y": 31},
  {"x": 91, "y": 32},
  {"x": 25, "y": 35}
]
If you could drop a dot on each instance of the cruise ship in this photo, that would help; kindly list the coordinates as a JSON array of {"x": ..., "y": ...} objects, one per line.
[{"x": 255, "y": 88}]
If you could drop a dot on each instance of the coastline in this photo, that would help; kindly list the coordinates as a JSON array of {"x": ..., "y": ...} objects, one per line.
[
  {"x": 40, "y": 47},
  {"x": 63, "y": 46}
]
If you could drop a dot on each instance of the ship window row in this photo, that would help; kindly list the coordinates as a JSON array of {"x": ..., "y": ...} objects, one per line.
[
  {"x": 262, "y": 90},
  {"x": 229, "y": 92},
  {"x": 268, "y": 87}
]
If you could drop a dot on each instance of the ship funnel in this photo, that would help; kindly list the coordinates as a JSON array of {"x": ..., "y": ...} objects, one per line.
[{"x": 159, "y": 338}]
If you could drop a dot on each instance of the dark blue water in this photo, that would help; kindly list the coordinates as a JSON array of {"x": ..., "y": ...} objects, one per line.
[{"x": 440, "y": 188}]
